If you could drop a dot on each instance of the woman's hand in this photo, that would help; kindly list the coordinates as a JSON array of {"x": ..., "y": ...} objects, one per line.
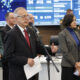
[{"x": 77, "y": 66}]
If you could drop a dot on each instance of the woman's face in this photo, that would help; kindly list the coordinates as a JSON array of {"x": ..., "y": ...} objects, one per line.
[{"x": 73, "y": 24}]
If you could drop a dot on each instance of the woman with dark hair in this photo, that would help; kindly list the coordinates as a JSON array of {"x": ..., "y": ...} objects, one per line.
[{"x": 69, "y": 45}]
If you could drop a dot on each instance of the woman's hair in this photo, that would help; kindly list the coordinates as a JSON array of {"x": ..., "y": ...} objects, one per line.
[
  {"x": 69, "y": 11},
  {"x": 68, "y": 18}
]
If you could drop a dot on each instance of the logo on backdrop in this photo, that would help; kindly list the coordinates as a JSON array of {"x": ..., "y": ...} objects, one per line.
[{"x": 7, "y": 4}]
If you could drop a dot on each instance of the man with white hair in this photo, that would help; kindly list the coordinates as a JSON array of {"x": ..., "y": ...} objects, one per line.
[{"x": 21, "y": 46}]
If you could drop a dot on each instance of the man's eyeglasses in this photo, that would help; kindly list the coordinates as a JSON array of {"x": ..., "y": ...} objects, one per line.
[{"x": 24, "y": 16}]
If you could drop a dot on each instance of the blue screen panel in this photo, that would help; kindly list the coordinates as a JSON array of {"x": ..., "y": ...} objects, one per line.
[
  {"x": 9, "y": 6},
  {"x": 46, "y": 12},
  {"x": 50, "y": 12}
]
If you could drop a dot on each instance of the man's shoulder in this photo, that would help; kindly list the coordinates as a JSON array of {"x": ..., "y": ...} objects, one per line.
[
  {"x": 30, "y": 28},
  {"x": 11, "y": 31},
  {"x": 5, "y": 28},
  {"x": 14, "y": 31}
]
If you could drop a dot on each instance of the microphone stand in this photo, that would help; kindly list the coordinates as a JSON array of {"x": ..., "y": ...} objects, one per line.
[{"x": 49, "y": 58}]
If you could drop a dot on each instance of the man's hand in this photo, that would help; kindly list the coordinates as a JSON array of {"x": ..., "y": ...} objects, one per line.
[
  {"x": 54, "y": 48},
  {"x": 30, "y": 62}
]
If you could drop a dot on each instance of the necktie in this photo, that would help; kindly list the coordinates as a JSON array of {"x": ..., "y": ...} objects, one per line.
[{"x": 27, "y": 37}]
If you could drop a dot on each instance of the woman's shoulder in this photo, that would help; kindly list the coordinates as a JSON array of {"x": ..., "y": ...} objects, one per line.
[{"x": 63, "y": 32}]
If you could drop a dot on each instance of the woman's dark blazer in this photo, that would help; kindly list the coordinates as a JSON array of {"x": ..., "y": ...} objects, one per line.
[{"x": 69, "y": 48}]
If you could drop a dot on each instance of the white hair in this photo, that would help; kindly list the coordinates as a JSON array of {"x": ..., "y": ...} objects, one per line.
[{"x": 17, "y": 9}]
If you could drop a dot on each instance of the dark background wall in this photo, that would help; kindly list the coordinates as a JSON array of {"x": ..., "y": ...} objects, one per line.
[{"x": 47, "y": 31}]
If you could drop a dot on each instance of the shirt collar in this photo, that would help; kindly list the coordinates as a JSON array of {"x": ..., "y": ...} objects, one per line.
[
  {"x": 70, "y": 29},
  {"x": 20, "y": 28},
  {"x": 10, "y": 26}
]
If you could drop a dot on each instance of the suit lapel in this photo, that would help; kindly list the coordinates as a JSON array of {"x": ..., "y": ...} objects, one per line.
[
  {"x": 31, "y": 40},
  {"x": 70, "y": 36},
  {"x": 78, "y": 35},
  {"x": 7, "y": 28},
  {"x": 21, "y": 36}
]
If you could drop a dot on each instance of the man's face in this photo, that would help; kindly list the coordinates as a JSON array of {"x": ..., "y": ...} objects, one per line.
[
  {"x": 31, "y": 19},
  {"x": 11, "y": 19},
  {"x": 22, "y": 18}
]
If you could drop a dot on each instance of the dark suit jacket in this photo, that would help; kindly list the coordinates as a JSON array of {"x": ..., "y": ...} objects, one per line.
[
  {"x": 69, "y": 48},
  {"x": 4, "y": 30},
  {"x": 1, "y": 50},
  {"x": 17, "y": 52}
]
